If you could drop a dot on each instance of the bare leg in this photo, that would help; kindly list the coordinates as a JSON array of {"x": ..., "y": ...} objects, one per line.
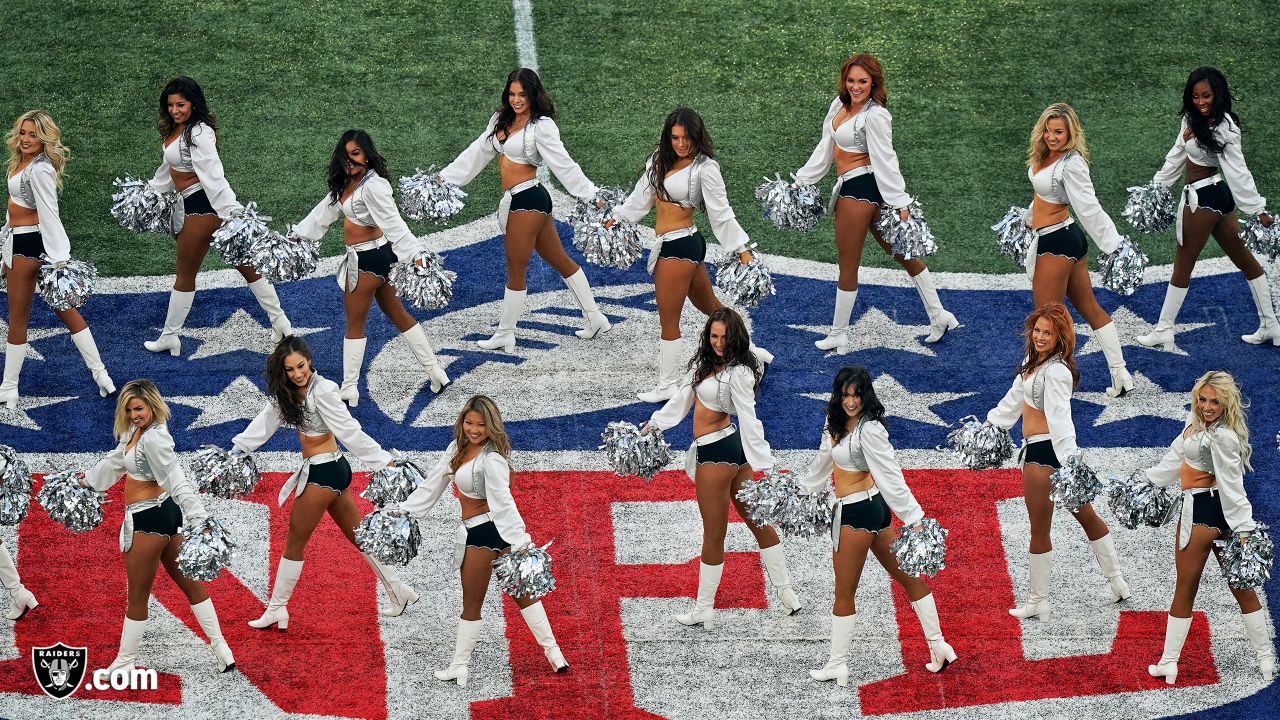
[
  {"x": 848, "y": 562},
  {"x": 140, "y": 567},
  {"x": 393, "y": 308},
  {"x": 307, "y": 510},
  {"x": 914, "y": 266},
  {"x": 712, "y": 484},
  {"x": 701, "y": 293},
  {"x": 1094, "y": 526},
  {"x": 1189, "y": 562},
  {"x": 853, "y": 221},
  {"x": 551, "y": 249},
  {"x": 195, "y": 592},
  {"x": 1035, "y": 490},
  {"x": 1196, "y": 228},
  {"x": 521, "y": 237},
  {"x": 345, "y": 515},
  {"x": 1227, "y": 233},
  {"x": 1080, "y": 292},
  {"x": 671, "y": 281},
  {"x": 356, "y": 304},
  {"x": 766, "y": 537},
  {"x": 1050, "y": 282},
  {"x": 22, "y": 290},
  {"x": 193, "y": 245},
  {"x": 914, "y": 586},
  {"x": 477, "y": 568}
]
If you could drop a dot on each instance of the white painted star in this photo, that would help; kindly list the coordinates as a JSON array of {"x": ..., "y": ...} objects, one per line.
[
  {"x": 900, "y": 402},
  {"x": 241, "y": 400},
  {"x": 238, "y": 332},
  {"x": 1147, "y": 399},
  {"x": 18, "y": 416},
  {"x": 1129, "y": 326},
  {"x": 877, "y": 330},
  {"x": 34, "y": 334}
]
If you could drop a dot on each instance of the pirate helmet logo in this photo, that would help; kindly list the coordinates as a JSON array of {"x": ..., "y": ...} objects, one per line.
[{"x": 59, "y": 669}]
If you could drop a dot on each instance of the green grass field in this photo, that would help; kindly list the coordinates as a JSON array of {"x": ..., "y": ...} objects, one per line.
[{"x": 967, "y": 80}]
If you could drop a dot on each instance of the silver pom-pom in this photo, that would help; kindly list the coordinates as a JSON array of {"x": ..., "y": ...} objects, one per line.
[
  {"x": 394, "y": 483},
  {"x": 390, "y": 535},
  {"x": 427, "y": 286},
  {"x": 630, "y": 453},
  {"x": 777, "y": 500},
  {"x": 1122, "y": 269},
  {"x": 1247, "y": 558},
  {"x": 1262, "y": 240},
  {"x": 239, "y": 234},
  {"x": 525, "y": 573},
  {"x": 617, "y": 246},
  {"x": 70, "y": 504},
  {"x": 224, "y": 474},
  {"x": 425, "y": 197},
  {"x": 1074, "y": 485},
  {"x": 790, "y": 205},
  {"x": 1150, "y": 208},
  {"x": 140, "y": 208},
  {"x": 1013, "y": 237},
  {"x": 744, "y": 285},
  {"x": 206, "y": 549},
  {"x": 15, "y": 487},
  {"x": 1135, "y": 501},
  {"x": 284, "y": 258},
  {"x": 911, "y": 238},
  {"x": 981, "y": 446},
  {"x": 922, "y": 551},
  {"x": 66, "y": 285}
]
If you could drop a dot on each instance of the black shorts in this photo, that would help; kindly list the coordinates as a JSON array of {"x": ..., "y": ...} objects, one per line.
[
  {"x": 377, "y": 261},
  {"x": 725, "y": 451},
  {"x": 28, "y": 244},
  {"x": 334, "y": 475},
  {"x": 1041, "y": 453},
  {"x": 534, "y": 199},
  {"x": 164, "y": 520},
  {"x": 486, "y": 536},
  {"x": 1206, "y": 509},
  {"x": 691, "y": 247},
  {"x": 1216, "y": 197},
  {"x": 1065, "y": 242},
  {"x": 862, "y": 187},
  {"x": 197, "y": 204},
  {"x": 870, "y": 515}
]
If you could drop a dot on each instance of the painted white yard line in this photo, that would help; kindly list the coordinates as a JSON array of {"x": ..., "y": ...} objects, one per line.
[{"x": 526, "y": 48}]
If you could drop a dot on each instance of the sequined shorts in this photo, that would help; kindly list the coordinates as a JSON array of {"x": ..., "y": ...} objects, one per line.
[
  {"x": 486, "y": 536},
  {"x": 870, "y": 515},
  {"x": 534, "y": 199},
  {"x": 197, "y": 204},
  {"x": 725, "y": 451},
  {"x": 334, "y": 475},
  {"x": 1206, "y": 509},
  {"x": 1041, "y": 453},
  {"x": 28, "y": 244},
  {"x": 377, "y": 261},
  {"x": 164, "y": 519},
  {"x": 690, "y": 247},
  {"x": 1065, "y": 242},
  {"x": 862, "y": 187}
]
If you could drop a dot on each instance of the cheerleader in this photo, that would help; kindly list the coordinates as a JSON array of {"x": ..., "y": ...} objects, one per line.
[
  {"x": 868, "y": 482},
  {"x": 857, "y": 134},
  {"x": 478, "y": 462},
  {"x": 524, "y": 132},
  {"x": 158, "y": 498},
  {"x": 23, "y": 599},
  {"x": 722, "y": 381},
  {"x": 191, "y": 167},
  {"x": 1057, "y": 261},
  {"x": 682, "y": 174},
  {"x": 1208, "y": 146},
  {"x": 301, "y": 398},
  {"x": 1208, "y": 461},
  {"x": 1041, "y": 396},
  {"x": 360, "y": 191},
  {"x": 33, "y": 232}
]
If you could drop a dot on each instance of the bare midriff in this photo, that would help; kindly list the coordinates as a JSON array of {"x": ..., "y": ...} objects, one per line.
[
  {"x": 317, "y": 444},
  {"x": 181, "y": 180},
  {"x": 136, "y": 490},
  {"x": 513, "y": 173},
  {"x": 1045, "y": 213},
  {"x": 1195, "y": 172},
  {"x": 848, "y": 482},
  {"x": 846, "y": 161},
  {"x": 471, "y": 507},
  {"x": 706, "y": 420},
  {"x": 1033, "y": 421},
  {"x": 672, "y": 217},
  {"x": 353, "y": 233},
  {"x": 22, "y": 216},
  {"x": 1193, "y": 478}
]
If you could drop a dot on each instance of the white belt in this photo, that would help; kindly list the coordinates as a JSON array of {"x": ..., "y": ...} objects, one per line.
[
  {"x": 1034, "y": 247},
  {"x": 299, "y": 477},
  {"x": 656, "y": 248},
  {"x": 838, "y": 508},
  {"x": 1022, "y": 452},
  {"x": 6, "y": 240},
  {"x": 191, "y": 190},
  {"x": 1190, "y": 199},
  {"x": 349, "y": 268},
  {"x": 835, "y": 191},
  {"x": 1185, "y": 518},
  {"x": 504, "y": 205},
  {"x": 126, "y": 527},
  {"x": 477, "y": 520},
  {"x": 691, "y": 457}
]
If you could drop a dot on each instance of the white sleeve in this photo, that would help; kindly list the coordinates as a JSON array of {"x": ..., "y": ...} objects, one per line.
[
  {"x": 502, "y": 506},
  {"x": 1228, "y": 470},
  {"x": 317, "y": 222},
  {"x": 673, "y": 413},
  {"x": 1175, "y": 160},
  {"x": 44, "y": 184},
  {"x": 1084, "y": 202},
  {"x": 742, "y": 392},
  {"x": 820, "y": 159},
  {"x": 1057, "y": 411},
  {"x": 884, "y": 161},
  {"x": 345, "y": 428},
  {"x": 162, "y": 181},
  {"x": 819, "y": 473},
  {"x": 424, "y": 498},
  {"x": 724, "y": 224},
  {"x": 640, "y": 201},
  {"x": 478, "y": 154},
  {"x": 260, "y": 429},
  {"x": 550, "y": 147},
  {"x": 158, "y": 445},
  {"x": 1169, "y": 470},
  {"x": 1235, "y": 172},
  {"x": 382, "y": 206},
  {"x": 1005, "y": 414},
  {"x": 208, "y": 167},
  {"x": 108, "y": 471},
  {"x": 887, "y": 472}
]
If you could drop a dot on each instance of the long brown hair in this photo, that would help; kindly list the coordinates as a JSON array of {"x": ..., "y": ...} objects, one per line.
[
  {"x": 665, "y": 156},
  {"x": 737, "y": 347},
  {"x": 867, "y": 62},
  {"x": 1064, "y": 334},
  {"x": 488, "y": 410},
  {"x": 280, "y": 388}
]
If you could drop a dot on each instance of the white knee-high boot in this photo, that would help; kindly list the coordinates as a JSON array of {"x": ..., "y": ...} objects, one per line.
[
  {"x": 1255, "y": 626},
  {"x": 505, "y": 337},
  {"x": 1162, "y": 333},
  {"x": 277, "y": 610},
  {"x": 22, "y": 598},
  {"x": 468, "y": 636},
  {"x": 597, "y": 323},
  {"x": 270, "y": 302},
  {"x": 1038, "y": 599},
  {"x": 207, "y": 616},
  {"x": 940, "y": 321},
  {"x": 1109, "y": 339},
  {"x": 352, "y": 360},
  {"x": 1175, "y": 636},
  {"x": 401, "y": 595},
  {"x": 14, "y": 356},
  {"x": 940, "y": 653},
  {"x": 179, "y": 307},
  {"x": 669, "y": 354},
  {"x": 1268, "y": 328},
  {"x": 426, "y": 358},
  {"x": 92, "y": 360},
  {"x": 704, "y": 607},
  {"x": 838, "y": 338},
  {"x": 775, "y": 566},
  {"x": 130, "y": 638},
  {"x": 1104, "y": 549},
  {"x": 837, "y": 667},
  {"x": 535, "y": 616}
]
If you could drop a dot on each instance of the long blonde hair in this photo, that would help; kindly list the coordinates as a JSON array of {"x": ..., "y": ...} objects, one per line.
[
  {"x": 48, "y": 133},
  {"x": 1038, "y": 150},
  {"x": 1233, "y": 407},
  {"x": 147, "y": 392},
  {"x": 488, "y": 410}
]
